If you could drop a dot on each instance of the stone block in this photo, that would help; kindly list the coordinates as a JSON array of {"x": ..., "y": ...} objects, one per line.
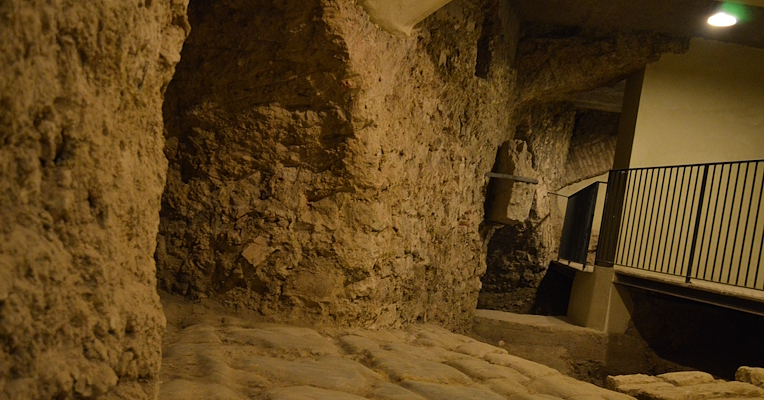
[
  {"x": 566, "y": 387},
  {"x": 284, "y": 339},
  {"x": 388, "y": 391},
  {"x": 357, "y": 344},
  {"x": 752, "y": 375},
  {"x": 528, "y": 368},
  {"x": 716, "y": 390},
  {"x": 687, "y": 378},
  {"x": 332, "y": 373},
  {"x": 257, "y": 251},
  {"x": 402, "y": 368},
  {"x": 308, "y": 393},
  {"x": 613, "y": 382},
  {"x": 436, "y": 391},
  {"x": 479, "y": 369},
  {"x": 479, "y": 349}
]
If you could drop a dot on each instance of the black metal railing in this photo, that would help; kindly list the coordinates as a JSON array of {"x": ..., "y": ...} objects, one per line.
[
  {"x": 577, "y": 227},
  {"x": 702, "y": 221}
]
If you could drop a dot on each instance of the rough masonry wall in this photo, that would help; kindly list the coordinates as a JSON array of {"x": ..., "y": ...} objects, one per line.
[
  {"x": 322, "y": 168},
  {"x": 519, "y": 250},
  {"x": 81, "y": 177},
  {"x": 552, "y": 62}
]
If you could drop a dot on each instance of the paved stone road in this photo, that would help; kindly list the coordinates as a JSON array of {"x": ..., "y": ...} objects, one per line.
[
  {"x": 226, "y": 358},
  {"x": 691, "y": 385}
]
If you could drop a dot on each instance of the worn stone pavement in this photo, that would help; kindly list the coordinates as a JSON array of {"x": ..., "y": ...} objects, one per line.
[
  {"x": 207, "y": 355},
  {"x": 691, "y": 385}
]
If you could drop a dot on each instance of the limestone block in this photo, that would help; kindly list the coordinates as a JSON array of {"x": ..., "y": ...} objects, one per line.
[
  {"x": 508, "y": 387},
  {"x": 479, "y": 349},
  {"x": 388, "y": 391},
  {"x": 754, "y": 376},
  {"x": 431, "y": 353},
  {"x": 183, "y": 389},
  {"x": 357, "y": 344},
  {"x": 284, "y": 339},
  {"x": 630, "y": 384},
  {"x": 479, "y": 369},
  {"x": 333, "y": 373},
  {"x": 511, "y": 201},
  {"x": 436, "y": 391},
  {"x": 528, "y": 368},
  {"x": 257, "y": 251},
  {"x": 566, "y": 387},
  {"x": 702, "y": 391},
  {"x": 687, "y": 378},
  {"x": 416, "y": 369},
  {"x": 437, "y": 337},
  {"x": 308, "y": 393},
  {"x": 200, "y": 333}
]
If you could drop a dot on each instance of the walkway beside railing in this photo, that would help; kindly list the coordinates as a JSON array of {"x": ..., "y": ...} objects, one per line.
[{"x": 702, "y": 221}]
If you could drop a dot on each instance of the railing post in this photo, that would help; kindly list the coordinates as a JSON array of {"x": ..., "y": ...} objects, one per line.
[{"x": 697, "y": 223}]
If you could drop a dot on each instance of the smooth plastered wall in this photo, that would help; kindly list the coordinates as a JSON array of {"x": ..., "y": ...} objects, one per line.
[{"x": 706, "y": 105}]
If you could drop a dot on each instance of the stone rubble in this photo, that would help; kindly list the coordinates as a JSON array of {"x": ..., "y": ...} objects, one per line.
[{"x": 689, "y": 385}]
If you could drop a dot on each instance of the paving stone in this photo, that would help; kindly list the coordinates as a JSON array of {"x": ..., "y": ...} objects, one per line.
[
  {"x": 429, "y": 335},
  {"x": 752, "y": 375},
  {"x": 356, "y": 344},
  {"x": 716, "y": 390},
  {"x": 528, "y": 368},
  {"x": 308, "y": 393},
  {"x": 181, "y": 389},
  {"x": 412, "y": 368},
  {"x": 430, "y": 353},
  {"x": 284, "y": 338},
  {"x": 436, "y": 391},
  {"x": 206, "y": 363},
  {"x": 483, "y": 370},
  {"x": 388, "y": 391},
  {"x": 328, "y": 372},
  {"x": 508, "y": 388},
  {"x": 687, "y": 378},
  {"x": 614, "y": 381},
  {"x": 634, "y": 389},
  {"x": 631, "y": 384},
  {"x": 479, "y": 349},
  {"x": 200, "y": 333},
  {"x": 566, "y": 387}
]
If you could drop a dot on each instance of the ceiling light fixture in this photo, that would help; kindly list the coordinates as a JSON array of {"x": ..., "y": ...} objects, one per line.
[{"x": 722, "y": 19}]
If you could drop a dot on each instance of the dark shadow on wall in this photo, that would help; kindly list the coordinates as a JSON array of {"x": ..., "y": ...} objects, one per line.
[
  {"x": 553, "y": 293},
  {"x": 697, "y": 335}
]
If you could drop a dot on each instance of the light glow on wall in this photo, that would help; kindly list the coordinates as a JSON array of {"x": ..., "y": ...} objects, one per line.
[{"x": 722, "y": 19}]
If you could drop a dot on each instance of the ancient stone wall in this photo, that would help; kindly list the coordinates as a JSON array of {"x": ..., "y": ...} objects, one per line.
[
  {"x": 551, "y": 63},
  {"x": 81, "y": 176},
  {"x": 519, "y": 250},
  {"x": 322, "y": 168}
]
